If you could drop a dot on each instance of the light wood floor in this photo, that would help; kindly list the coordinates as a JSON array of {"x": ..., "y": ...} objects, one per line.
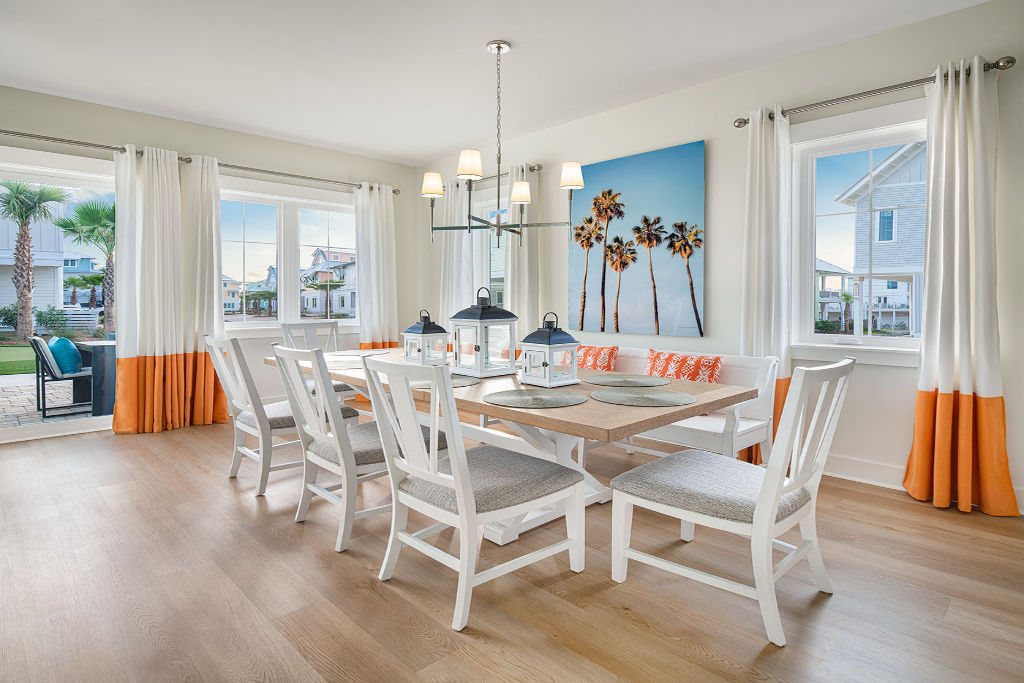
[{"x": 136, "y": 558}]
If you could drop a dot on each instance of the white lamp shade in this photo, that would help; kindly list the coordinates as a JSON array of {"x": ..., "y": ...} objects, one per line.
[
  {"x": 520, "y": 192},
  {"x": 470, "y": 166},
  {"x": 572, "y": 176},
  {"x": 433, "y": 186}
]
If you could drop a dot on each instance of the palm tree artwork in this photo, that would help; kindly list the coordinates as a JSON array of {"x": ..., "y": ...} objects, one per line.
[
  {"x": 587, "y": 235},
  {"x": 649, "y": 234},
  {"x": 92, "y": 223},
  {"x": 25, "y": 204},
  {"x": 682, "y": 242},
  {"x": 606, "y": 207},
  {"x": 621, "y": 255}
]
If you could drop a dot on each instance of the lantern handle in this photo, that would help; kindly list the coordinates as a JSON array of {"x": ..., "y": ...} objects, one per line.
[
  {"x": 484, "y": 289},
  {"x": 545, "y": 318},
  {"x": 426, "y": 312}
]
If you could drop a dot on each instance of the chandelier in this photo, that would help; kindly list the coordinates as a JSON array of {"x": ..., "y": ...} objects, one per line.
[{"x": 470, "y": 169}]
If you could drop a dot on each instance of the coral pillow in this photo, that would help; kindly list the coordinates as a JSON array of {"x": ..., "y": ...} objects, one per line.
[
  {"x": 683, "y": 366},
  {"x": 594, "y": 357}
]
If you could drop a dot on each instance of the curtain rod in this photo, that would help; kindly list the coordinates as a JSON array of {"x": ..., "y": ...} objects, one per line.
[
  {"x": 187, "y": 160},
  {"x": 533, "y": 168},
  {"x": 1002, "y": 64}
]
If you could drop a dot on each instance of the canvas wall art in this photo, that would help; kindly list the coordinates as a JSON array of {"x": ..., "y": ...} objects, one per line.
[{"x": 636, "y": 252}]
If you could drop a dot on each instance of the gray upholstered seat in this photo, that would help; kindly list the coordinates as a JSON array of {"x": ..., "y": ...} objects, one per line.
[
  {"x": 366, "y": 446},
  {"x": 338, "y": 386},
  {"x": 280, "y": 415},
  {"x": 705, "y": 483},
  {"x": 500, "y": 478}
]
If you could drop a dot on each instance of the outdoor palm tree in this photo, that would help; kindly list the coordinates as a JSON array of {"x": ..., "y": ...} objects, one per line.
[
  {"x": 684, "y": 240},
  {"x": 587, "y": 234},
  {"x": 606, "y": 207},
  {"x": 621, "y": 255},
  {"x": 93, "y": 223},
  {"x": 25, "y": 204},
  {"x": 327, "y": 286},
  {"x": 649, "y": 234},
  {"x": 92, "y": 281},
  {"x": 74, "y": 284}
]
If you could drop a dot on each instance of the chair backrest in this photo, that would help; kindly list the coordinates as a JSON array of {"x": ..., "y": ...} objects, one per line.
[
  {"x": 235, "y": 377},
  {"x": 398, "y": 420},
  {"x": 806, "y": 427},
  {"x": 306, "y": 335},
  {"x": 317, "y": 414},
  {"x": 45, "y": 357}
]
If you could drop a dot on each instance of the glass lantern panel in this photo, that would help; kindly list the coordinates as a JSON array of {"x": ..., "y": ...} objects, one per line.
[
  {"x": 533, "y": 363},
  {"x": 437, "y": 349},
  {"x": 412, "y": 348},
  {"x": 497, "y": 346},
  {"x": 465, "y": 337}
]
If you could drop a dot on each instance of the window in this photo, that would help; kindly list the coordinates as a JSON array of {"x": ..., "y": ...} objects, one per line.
[
  {"x": 496, "y": 282},
  {"x": 861, "y": 204},
  {"x": 327, "y": 261},
  {"x": 249, "y": 259}
]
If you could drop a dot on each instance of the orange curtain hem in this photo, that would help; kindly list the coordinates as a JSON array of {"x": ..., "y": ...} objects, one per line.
[
  {"x": 753, "y": 454},
  {"x": 959, "y": 453},
  {"x": 378, "y": 345},
  {"x": 155, "y": 393}
]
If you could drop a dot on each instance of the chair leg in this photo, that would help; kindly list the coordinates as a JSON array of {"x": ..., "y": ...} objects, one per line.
[
  {"x": 576, "y": 528},
  {"x": 467, "y": 569},
  {"x": 399, "y": 521},
  {"x": 764, "y": 583},
  {"x": 349, "y": 493},
  {"x": 309, "y": 472},
  {"x": 809, "y": 532},
  {"x": 629, "y": 444},
  {"x": 686, "y": 530},
  {"x": 581, "y": 453},
  {"x": 622, "y": 523},
  {"x": 266, "y": 445},
  {"x": 236, "y": 454}
]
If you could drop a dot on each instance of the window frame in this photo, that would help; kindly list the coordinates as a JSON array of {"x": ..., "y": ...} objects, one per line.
[
  {"x": 878, "y": 228},
  {"x": 897, "y": 124}
]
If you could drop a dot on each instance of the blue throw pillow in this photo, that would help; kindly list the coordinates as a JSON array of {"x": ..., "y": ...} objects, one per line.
[{"x": 67, "y": 356}]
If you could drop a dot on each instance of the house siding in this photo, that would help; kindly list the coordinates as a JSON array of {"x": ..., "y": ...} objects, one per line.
[{"x": 903, "y": 188}]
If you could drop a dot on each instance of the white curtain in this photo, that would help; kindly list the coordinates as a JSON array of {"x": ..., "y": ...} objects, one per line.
[
  {"x": 377, "y": 290},
  {"x": 168, "y": 291},
  {"x": 464, "y": 256},
  {"x": 765, "y": 314},
  {"x": 959, "y": 450},
  {"x": 521, "y": 291}
]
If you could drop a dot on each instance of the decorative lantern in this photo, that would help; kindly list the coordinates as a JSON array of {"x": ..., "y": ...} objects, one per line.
[
  {"x": 542, "y": 356},
  {"x": 426, "y": 342},
  {"x": 484, "y": 337}
]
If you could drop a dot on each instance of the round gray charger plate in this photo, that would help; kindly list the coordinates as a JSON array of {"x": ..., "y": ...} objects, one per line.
[
  {"x": 535, "y": 398},
  {"x": 626, "y": 380},
  {"x": 643, "y": 397},
  {"x": 457, "y": 381}
]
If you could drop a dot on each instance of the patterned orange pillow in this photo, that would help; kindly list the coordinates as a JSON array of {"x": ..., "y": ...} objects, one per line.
[
  {"x": 683, "y": 366},
  {"x": 594, "y": 357}
]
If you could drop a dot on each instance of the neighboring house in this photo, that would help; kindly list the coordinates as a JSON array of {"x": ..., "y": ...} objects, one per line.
[
  {"x": 230, "y": 294},
  {"x": 267, "y": 284},
  {"x": 329, "y": 265},
  {"x": 77, "y": 265},
  {"x": 891, "y": 239},
  {"x": 47, "y": 262}
]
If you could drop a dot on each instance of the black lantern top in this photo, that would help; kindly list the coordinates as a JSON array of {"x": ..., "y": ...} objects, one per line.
[
  {"x": 425, "y": 325},
  {"x": 483, "y": 310},
  {"x": 549, "y": 333}
]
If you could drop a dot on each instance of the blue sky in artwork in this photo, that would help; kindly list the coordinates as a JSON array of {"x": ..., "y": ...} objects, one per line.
[{"x": 668, "y": 183}]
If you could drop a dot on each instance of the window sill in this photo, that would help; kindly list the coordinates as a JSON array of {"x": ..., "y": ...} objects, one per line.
[
  {"x": 864, "y": 354},
  {"x": 273, "y": 331}
]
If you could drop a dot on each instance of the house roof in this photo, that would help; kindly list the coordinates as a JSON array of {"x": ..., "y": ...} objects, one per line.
[
  {"x": 822, "y": 266},
  {"x": 880, "y": 172}
]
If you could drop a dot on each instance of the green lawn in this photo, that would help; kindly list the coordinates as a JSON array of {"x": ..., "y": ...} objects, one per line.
[{"x": 16, "y": 360}]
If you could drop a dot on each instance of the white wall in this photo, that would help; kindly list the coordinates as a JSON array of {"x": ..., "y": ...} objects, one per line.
[{"x": 874, "y": 438}]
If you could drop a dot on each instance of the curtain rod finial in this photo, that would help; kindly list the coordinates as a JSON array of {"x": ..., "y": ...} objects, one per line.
[
  {"x": 740, "y": 122},
  {"x": 1004, "y": 63}
]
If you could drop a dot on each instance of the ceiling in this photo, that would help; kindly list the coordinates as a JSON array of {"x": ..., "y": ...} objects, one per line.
[{"x": 408, "y": 81}]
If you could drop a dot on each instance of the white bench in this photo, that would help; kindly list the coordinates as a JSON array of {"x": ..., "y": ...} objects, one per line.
[{"x": 725, "y": 431}]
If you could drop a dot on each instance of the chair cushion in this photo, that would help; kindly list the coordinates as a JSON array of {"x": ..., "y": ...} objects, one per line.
[
  {"x": 280, "y": 415},
  {"x": 693, "y": 367},
  {"x": 68, "y": 358},
  {"x": 594, "y": 357},
  {"x": 366, "y": 445},
  {"x": 706, "y": 483},
  {"x": 500, "y": 479},
  {"x": 338, "y": 386}
]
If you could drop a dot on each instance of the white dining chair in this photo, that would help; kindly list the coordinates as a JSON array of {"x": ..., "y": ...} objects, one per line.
[
  {"x": 757, "y": 502},
  {"x": 250, "y": 415},
  {"x": 330, "y": 441},
  {"x": 317, "y": 334},
  {"x": 467, "y": 489}
]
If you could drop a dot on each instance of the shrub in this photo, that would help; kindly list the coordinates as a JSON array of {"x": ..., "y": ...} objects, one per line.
[
  {"x": 9, "y": 315},
  {"x": 98, "y": 333},
  {"x": 55, "y": 320},
  {"x": 826, "y": 326}
]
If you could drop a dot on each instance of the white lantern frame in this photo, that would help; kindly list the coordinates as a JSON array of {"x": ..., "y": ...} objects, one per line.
[
  {"x": 485, "y": 328},
  {"x": 541, "y": 356},
  {"x": 425, "y": 342}
]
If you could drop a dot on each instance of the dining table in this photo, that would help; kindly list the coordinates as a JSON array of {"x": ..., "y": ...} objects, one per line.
[{"x": 549, "y": 433}]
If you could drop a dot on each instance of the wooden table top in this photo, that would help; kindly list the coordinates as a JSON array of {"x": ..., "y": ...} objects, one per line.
[{"x": 591, "y": 420}]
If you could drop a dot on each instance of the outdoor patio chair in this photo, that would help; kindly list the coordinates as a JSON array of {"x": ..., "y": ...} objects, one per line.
[{"x": 48, "y": 372}]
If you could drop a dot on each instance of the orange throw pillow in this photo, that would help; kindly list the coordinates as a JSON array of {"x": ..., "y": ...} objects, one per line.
[
  {"x": 693, "y": 367},
  {"x": 594, "y": 357}
]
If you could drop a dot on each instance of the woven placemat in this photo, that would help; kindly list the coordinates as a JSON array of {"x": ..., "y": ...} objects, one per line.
[
  {"x": 626, "y": 380},
  {"x": 534, "y": 398},
  {"x": 457, "y": 381},
  {"x": 643, "y": 397}
]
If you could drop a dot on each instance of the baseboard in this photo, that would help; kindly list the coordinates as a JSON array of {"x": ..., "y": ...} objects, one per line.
[
  {"x": 45, "y": 430},
  {"x": 865, "y": 471}
]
